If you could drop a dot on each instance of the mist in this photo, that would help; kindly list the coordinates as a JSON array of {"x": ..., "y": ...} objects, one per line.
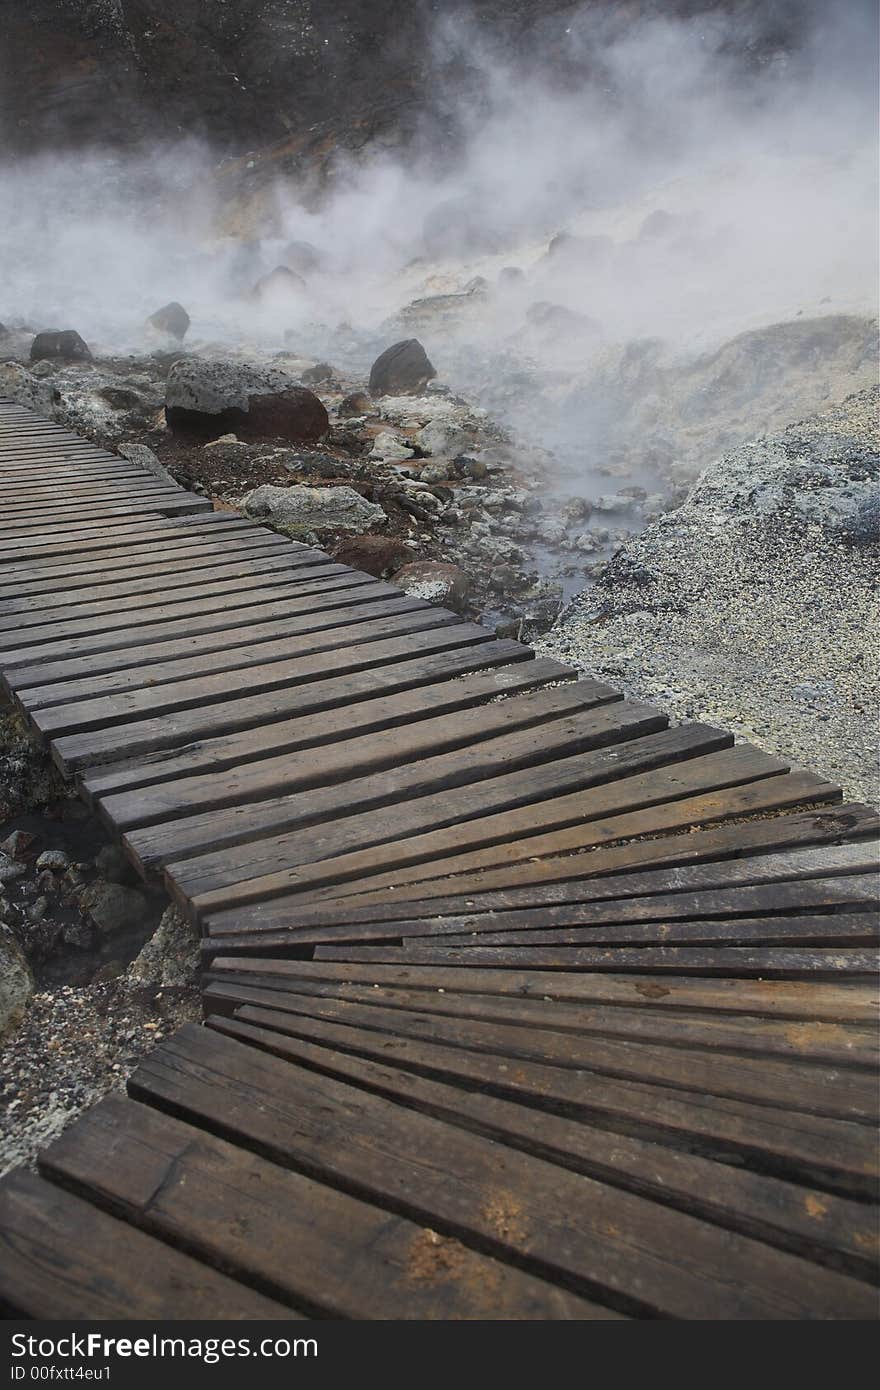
[{"x": 704, "y": 185}]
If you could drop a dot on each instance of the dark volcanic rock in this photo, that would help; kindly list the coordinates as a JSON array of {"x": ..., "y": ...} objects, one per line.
[
  {"x": 60, "y": 344},
  {"x": 207, "y": 399},
  {"x": 402, "y": 370},
  {"x": 172, "y": 319}
]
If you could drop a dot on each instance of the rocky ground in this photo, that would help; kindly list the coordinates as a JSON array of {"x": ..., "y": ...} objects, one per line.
[{"x": 754, "y": 605}]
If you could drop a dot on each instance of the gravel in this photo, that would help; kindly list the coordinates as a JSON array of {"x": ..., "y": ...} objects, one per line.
[{"x": 754, "y": 605}]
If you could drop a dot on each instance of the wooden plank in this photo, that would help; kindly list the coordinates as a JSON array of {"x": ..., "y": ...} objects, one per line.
[
  {"x": 572, "y": 1229},
  {"x": 366, "y": 717},
  {"x": 239, "y": 647},
  {"x": 755, "y": 869},
  {"x": 211, "y": 883},
  {"x": 198, "y": 528},
  {"x": 818, "y": 827},
  {"x": 22, "y": 540},
  {"x": 67, "y": 1259},
  {"x": 841, "y": 1044},
  {"x": 809, "y": 1087},
  {"x": 239, "y": 555},
  {"x": 829, "y": 1155},
  {"x": 326, "y": 879},
  {"x": 307, "y": 1244},
  {"x": 180, "y": 636},
  {"x": 129, "y": 528},
  {"x": 825, "y": 1227},
  {"x": 440, "y": 789},
  {"x": 426, "y": 739},
  {"x": 270, "y": 674},
  {"x": 236, "y": 575},
  {"x": 768, "y": 963},
  {"x": 176, "y": 620},
  {"x": 65, "y": 509},
  {"x": 788, "y": 1001},
  {"x": 178, "y": 728},
  {"x": 180, "y": 558}
]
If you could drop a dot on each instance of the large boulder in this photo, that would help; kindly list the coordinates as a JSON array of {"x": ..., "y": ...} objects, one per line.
[
  {"x": 171, "y": 319},
  {"x": 206, "y": 399},
  {"x": 299, "y": 510},
  {"x": 62, "y": 345},
  {"x": 376, "y": 555},
  {"x": 404, "y": 369}
]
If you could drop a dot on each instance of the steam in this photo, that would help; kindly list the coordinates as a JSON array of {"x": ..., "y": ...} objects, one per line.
[{"x": 707, "y": 189}]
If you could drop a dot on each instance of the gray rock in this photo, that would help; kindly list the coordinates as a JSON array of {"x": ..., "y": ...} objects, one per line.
[
  {"x": 16, "y": 982},
  {"x": 145, "y": 458},
  {"x": 171, "y": 319},
  {"x": 10, "y": 869},
  {"x": 114, "y": 907},
  {"x": 54, "y": 859},
  {"x": 112, "y": 864},
  {"x": 170, "y": 959},
  {"x": 299, "y": 510},
  {"x": 390, "y": 448},
  {"x": 24, "y": 388},
  {"x": 436, "y": 582},
  {"x": 204, "y": 399}
]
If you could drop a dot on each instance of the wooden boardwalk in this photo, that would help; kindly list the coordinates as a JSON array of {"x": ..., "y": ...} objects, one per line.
[{"x": 519, "y": 1003}]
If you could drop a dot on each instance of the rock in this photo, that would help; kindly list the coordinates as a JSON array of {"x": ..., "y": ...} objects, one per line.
[
  {"x": 401, "y": 370},
  {"x": 434, "y": 473},
  {"x": 65, "y": 345},
  {"x": 10, "y": 869},
  {"x": 299, "y": 510},
  {"x": 16, "y": 982},
  {"x": 205, "y": 399},
  {"x": 114, "y": 907},
  {"x": 313, "y": 376},
  {"x": 468, "y": 467},
  {"x": 358, "y": 403},
  {"x": 145, "y": 458},
  {"x": 54, "y": 859},
  {"x": 390, "y": 448},
  {"x": 376, "y": 555},
  {"x": 441, "y": 439},
  {"x": 171, "y": 319},
  {"x": 301, "y": 257},
  {"x": 112, "y": 864},
  {"x": 436, "y": 582},
  {"x": 616, "y": 502},
  {"x": 17, "y": 844},
  {"x": 510, "y": 277},
  {"x": 281, "y": 284},
  {"x": 170, "y": 959},
  {"x": 25, "y": 389}
]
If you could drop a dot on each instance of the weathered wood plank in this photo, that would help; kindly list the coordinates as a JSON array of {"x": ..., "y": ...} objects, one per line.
[
  {"x": 369, "y": 716},
  {"x": 820, "y": 1225},
  {"x": 64, "y": 1259},
  {"x": 251, "y": 710},
  {"x": 772, "y": 999},
  {"x": 443, "y": 791},
  {"x": 822, "y": 1154},
  {"x": 841, "y": 1044},
  {"x": 422, "y": 739},
  {"x": 566, "y": 1226},
  {"x": 310, "y": 1245},
  {"x": 234, "y": 648}
]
